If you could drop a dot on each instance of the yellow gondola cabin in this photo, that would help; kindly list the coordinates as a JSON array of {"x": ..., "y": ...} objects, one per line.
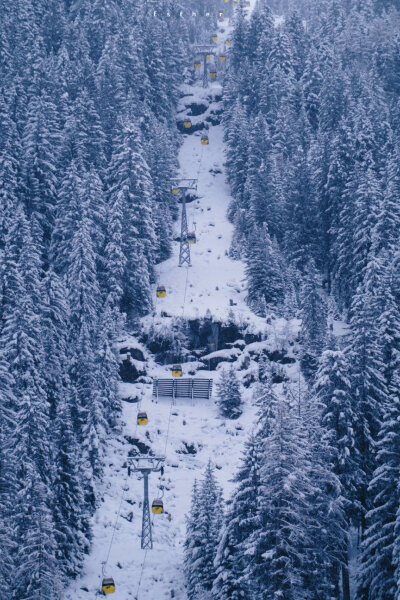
[
  {"x": 142, "y": 418},
  {"x": 157, "y": 507},
  {"x": 220, "y": 14},
  {"x": 191, "y": 238},
  {"x": 177, "y": 371},
  {"x": 197, "y": 65},
  {"x": 204, "y": 140},
  {"x": 187, "y": 123},
  {"x": 175, "y": 190},
  {"x": 222, "y": 58},
  {"x": 161, "y": 291},
  {"x": 213, "y": 74},
  {"x": 227, "y": 42},
  {"x": 108, "y": 585},
  {"x": 208, "y": 56},
  {"x": 214, "y": 38}
]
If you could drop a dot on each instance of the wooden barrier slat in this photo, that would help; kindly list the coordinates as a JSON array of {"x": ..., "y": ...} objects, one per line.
[{"x": 182, "y": 388}]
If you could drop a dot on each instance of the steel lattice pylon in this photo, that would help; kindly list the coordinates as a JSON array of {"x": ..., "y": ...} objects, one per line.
[
  {"x": 184, "y": 251},
  {"x": 145, "y": 465},
  {"x": 205, "y": 71},
  {"x": 147, "y": 537},
  {"x": 204, "y": 51}
]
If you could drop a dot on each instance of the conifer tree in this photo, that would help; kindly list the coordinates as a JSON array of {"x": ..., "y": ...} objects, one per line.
[
  {"x": 314, "y": 321},
  {"x": 9, "y": 180},
  {"x": 54, "y": 325},
  {"x": 108, "y": 366},
  {"x": 81, "y": 277},
  {"x": 236, "y": 159},
  {"x": 40, "y": 138},
  {"x": 129, "y": 175},
  {"x": 37, "y": 571},
  {"x": 334, "y": 391},
  {"x": 192, "y": 544},
  {"x": 312, "y": 83},
  {"x": 114, "y": 257},
  {"x": 67, "y": 214},
  {"x": 8, "y": 487},
  {"x": 277, "y": 546},
  {"x": 204, "y": 524},
  {"x": 241, "y": 522},
  {"x": 265, "y": 283},
  {"x": 72, "y": 531},
  {"x": 369, "y": 388},
  {"x": 379, "y": 569},
  {"x": 229, "y": 394},
  {"x": 386, "y": 234}
]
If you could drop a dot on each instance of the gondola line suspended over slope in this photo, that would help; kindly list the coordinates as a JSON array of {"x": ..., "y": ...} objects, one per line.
[{"x": 210, "y": 208}]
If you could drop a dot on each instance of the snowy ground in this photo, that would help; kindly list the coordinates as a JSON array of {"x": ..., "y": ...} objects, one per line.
[
  {"x": 194, "y": 423},
  {"x": 212, "y": 281}
]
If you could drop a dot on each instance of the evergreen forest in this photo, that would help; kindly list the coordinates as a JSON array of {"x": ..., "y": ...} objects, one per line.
[{"x": 89, "y": 145}]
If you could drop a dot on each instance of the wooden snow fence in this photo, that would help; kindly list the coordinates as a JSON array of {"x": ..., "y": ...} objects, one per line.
[{"x": 183, "y": 388}]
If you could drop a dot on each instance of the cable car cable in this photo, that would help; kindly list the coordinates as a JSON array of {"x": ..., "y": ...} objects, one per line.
[
  {"x": 141, "y": 575},
  {"x": 104, "y": 564}
]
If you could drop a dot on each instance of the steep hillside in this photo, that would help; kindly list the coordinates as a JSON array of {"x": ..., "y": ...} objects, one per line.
[{"x": 188, "y": 433}]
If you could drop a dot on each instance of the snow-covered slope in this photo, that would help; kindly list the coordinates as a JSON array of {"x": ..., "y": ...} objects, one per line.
[
  {"x": 214, "y": 280},
  {"x": 196, "y": 431},
  {"x": 195, "y": 424}
]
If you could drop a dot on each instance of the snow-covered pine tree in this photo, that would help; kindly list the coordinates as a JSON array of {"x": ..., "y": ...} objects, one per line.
[
  {"x": 37, "y": 572},
  {"x": 162, "y": 164},
  {"x": 311, "y": 84},
  {"x": 114, "y": 257},
  {"x": 333, "y": 389},
  {"x": 108, "y": 367},
  {"x": 314, "y": 321},
  {"x": 81, "y": 277},
  {"x": 71, "y": 518},
  {"x": 367, "y": 203},
  {"x": 327, "y": 526},
  {"x": 40, "y": 138},
  {"x": 262, "y": 184},
  {"x": 87, "y": 413},
  {"x": 229, "y": 394},
  {"x": 89, "y": 140},
  {"x": 368, "y": 383},
  {"x": 241, "y": 521},
  {"x": 236, "y": 159},
  {"x": 192, "y": 543},
  {"x": 55, "y": 329},
  {"x": 299, "y": 544},
  {"x": 8, "y": 484},
  {"x": 204, "y": 524},
  {"x": 388, "y": 219},
  {"x": 379, "y": 575},
  {"x": 276, "y": 549},
  {"x": 9, "y": 180},
  {"x": 29, "y": 445},
  {"x": 303, "y": 235},
  {"x": 67, "y": 213},
  {"x": 264, "y": 276},
  {"x": 129, "y": 175},
  {"x": 295, "y": 31}
]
